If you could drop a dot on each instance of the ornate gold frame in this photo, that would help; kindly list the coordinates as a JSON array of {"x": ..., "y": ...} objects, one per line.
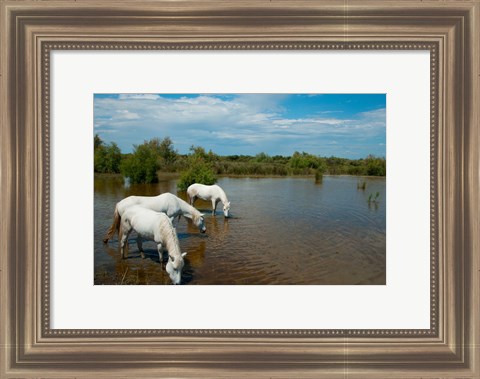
[{"x": 30, "y": 30}]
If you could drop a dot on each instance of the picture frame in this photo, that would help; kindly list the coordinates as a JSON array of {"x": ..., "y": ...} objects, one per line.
[{"x": 31, "y": 30}]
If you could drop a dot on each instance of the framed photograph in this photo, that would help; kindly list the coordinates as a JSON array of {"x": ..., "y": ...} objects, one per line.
[
  {"x": 305, "y": 172},
  {"x": 194, "y": 153}
]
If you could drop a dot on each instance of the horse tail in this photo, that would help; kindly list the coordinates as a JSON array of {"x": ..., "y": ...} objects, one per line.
[
  {"x": 192, "y": 194},
  {"x": 124, "y": 248},
  {"x": 120, "y": 236},
  {"x": 114, "y": 227}
]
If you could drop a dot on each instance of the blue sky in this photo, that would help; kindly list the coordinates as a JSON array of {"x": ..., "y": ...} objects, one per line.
[{"x": 343, "y": 125}]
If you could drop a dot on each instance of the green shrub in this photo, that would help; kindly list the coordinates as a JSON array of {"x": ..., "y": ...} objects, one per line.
[
  {"x": 199, "y": 168},
  {"x": 166, "y": 154},
  {"x": 376, "y": 166},
  {"x": 142, "y": 165},
  {"x": 199, "y": 172},
  {"x": 263, "y": 158},
  {"x": 106, "y": 158}
]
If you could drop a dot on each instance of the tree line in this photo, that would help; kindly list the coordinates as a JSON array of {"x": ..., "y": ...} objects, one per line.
[{"x": 142, "y": 165}]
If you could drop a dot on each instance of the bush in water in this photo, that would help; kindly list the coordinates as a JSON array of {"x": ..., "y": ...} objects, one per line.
[
  {"x": 142, "y": 165},
  {"x": 200, "y": 169},
  {"x": 200, "y": 172}
]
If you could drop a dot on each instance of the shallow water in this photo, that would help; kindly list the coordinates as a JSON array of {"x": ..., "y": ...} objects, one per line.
[{"x": 282, "y": 231}]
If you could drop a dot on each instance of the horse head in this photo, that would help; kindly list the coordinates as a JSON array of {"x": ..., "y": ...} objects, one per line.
[
  {"x": 200, "y": 223},
  {"x": 226, "y": 208},
  {"x": 174, "y": 268}
]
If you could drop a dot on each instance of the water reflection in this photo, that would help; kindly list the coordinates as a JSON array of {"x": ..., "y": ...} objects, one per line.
[
  {"x": 133, "y": 270},
  {"x": 220, "y": 228}
]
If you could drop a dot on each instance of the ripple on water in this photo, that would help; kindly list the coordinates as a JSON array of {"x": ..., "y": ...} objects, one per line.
[{"x": 283, "y": 231}]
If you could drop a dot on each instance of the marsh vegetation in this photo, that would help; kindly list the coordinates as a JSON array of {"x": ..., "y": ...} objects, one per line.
[{"x": 200, "y": 166}]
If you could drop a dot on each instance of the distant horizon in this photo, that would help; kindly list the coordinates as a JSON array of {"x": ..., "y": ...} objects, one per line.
[
  {"x": 350, "y": 126},
  {"x": 255, "y": 154}
]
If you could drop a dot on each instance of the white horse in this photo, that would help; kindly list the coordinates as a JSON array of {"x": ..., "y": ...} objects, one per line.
[
  {"x": 167, "y": 203},
  {"x": 213, "y": 193},
  {"x": 154, "y": 226}
]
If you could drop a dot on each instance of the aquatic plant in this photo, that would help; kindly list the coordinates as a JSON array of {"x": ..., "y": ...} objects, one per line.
[
  {"x": 374, "y": 199},
  {"x": 362, "y": 185}
]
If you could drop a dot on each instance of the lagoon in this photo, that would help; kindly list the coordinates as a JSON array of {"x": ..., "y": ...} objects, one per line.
[{"x": 283, "y": 230}]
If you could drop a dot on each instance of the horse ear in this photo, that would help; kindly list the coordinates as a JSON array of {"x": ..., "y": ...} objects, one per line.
[{"x": 183, "y": 255}]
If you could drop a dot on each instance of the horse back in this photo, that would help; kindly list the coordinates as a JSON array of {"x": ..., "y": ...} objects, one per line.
[
  {"x": 159, "y": 203},
  {"x": 124, "y": 204},
  {"x": 203, "y": 191},
  {"x": 144, "y": 221},
  {"x": 192, "y": 190}
]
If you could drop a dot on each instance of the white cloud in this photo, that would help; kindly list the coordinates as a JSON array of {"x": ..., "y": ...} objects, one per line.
[
  {"x": 127, "y": 115},
  {"x": 141, "y": 96},
  {"x": 106, "y": 131},
  {"x": 248, "y": 119}
]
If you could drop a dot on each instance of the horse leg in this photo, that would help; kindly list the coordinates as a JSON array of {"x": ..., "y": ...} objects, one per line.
[
  {"x": 214, "y": 205},
  {"x": 125, "y": 231},
  {"x": 160, "y": 253},
  {"x": 140, "y": 247},
  {"x": 172, "y": 219}
]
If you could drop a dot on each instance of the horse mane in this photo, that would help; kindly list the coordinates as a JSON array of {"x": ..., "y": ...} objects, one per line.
[
  {"x": 223, "y": 195},
  {"x": 195, "y": 215},
  {"x": 189, "y": 211},
  {"x": 171, "y": 239}
]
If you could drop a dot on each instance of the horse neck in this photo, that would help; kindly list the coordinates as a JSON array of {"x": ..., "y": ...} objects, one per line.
[
  {"x": 188, "y": 210},
  {"x": 223, "y": 196}
]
